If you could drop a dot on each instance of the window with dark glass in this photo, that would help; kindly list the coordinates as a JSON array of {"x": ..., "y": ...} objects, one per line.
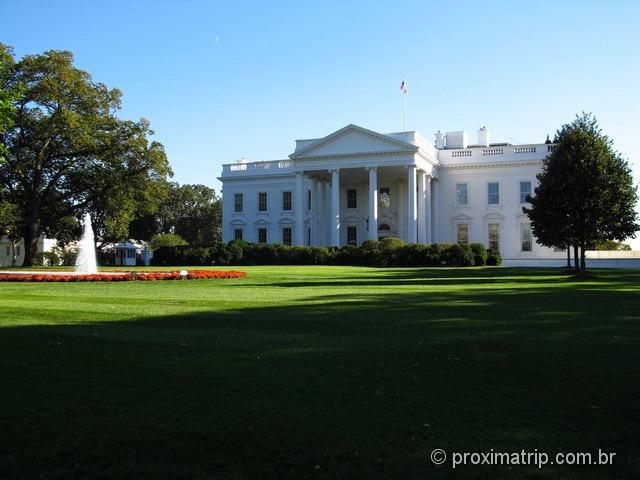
[
  {"x": 352, "y": 235},
  {"x": 308, "y": 199},
  {"x": 352, "y": 198},
  {"x": 286, "y": 201},
  {"x": 262, "y": 235},
  {"x": 525, "y": 191},
  {"x": 238, "y": 203},
  {"x": 262, "y": 201},
  {"x": 286, "y": 235},
  {"x": 237, "y": 234}
]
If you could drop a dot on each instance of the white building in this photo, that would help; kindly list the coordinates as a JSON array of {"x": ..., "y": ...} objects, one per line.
[
  {"x": 7, "y": 252},
  {"x": 356, "y": 184}
]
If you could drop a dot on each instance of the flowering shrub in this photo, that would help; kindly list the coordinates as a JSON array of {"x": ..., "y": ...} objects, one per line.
[{"x": 120, "y": 277}]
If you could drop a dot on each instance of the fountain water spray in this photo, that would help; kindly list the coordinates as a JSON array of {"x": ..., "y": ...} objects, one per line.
[{"x": 86, "y": 261}]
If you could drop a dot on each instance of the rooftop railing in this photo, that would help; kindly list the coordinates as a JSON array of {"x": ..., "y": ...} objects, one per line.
[
  {"x": 496, "y": 153},
  {"x": 257, "y": 168}
]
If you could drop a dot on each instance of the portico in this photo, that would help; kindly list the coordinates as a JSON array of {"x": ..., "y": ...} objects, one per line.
[{"x": 347, "y": 188}]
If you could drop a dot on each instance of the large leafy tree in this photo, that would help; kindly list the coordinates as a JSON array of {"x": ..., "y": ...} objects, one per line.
[
  {"x": 192, "y": 211},
  {"x": 585, "y": 193},
  {"x": 68, "y": 152},
  {"x": 8, "y": 93}
]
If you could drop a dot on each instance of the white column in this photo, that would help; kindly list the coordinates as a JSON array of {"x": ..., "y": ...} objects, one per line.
[
  {"x": 422, "y": 214},
  {"x": 327, "y": 213},
  {"x": 335, "y": 208},
  {"x": 319, "y": 209},
  {"x": 401, "y": 224},
  {"x": 435, "y": 218},
  {"x": 412, "y": 201},
  {"x": 299, "y": 210},
  {"x": 427, "y": 209},
  {"x": 314, "y": 212},
  {"x": 373, "y": 203}
]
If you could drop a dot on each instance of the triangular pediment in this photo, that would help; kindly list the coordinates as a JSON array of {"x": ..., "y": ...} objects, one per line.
[{"x": 353, "y": 140}]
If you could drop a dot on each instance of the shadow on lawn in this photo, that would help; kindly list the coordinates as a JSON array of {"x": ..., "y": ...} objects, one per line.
[
  {"x": 334, "y": 386},
  {"x": 464, "y": 276}
]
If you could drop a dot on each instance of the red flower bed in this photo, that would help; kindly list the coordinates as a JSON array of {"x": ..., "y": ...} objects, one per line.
[{"x": 121, "y": 277}]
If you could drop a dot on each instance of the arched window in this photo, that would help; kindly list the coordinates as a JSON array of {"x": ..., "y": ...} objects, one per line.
[{"x": 384, "y": 227}]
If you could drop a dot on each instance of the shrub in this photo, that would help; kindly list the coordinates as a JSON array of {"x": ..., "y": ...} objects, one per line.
[
  {"x": 479, "y": 254},
  {"x": 391, "y": 243},
  {"x": 457, "y": 255},
  {"x": 47, "y": 259},
  {"x": 493, "y": 258},
  {"x": 166, "y": 240}
]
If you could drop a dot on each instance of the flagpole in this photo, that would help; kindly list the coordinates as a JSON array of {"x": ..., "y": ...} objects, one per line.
[
  {"x": 404, "y": 111},
  {"x": 404, "y": 104}
]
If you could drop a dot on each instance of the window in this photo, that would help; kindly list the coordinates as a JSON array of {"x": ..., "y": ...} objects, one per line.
[
  {"x": 494, "y": 236},
  {"x": 385, "y": 199},
  {"x": 237, "y": 234},
  {"x": 462, "y": 195},
  {"x": 262, "y": 235},
  {"x": 493, "y": 193},
  {"x": 525, "y": 237},
  {"x": 352, "y": 198},
  {"x": 237, "y": 203},
  {"x": 463, "y": 233},
  {"x": 262, "y": 201},
  {"x": 352, "y": 235},
  {"x": 308, "y": 199},
  {"x": 286, "y": 201},
  {"x": 525, "y": 191},
  {"x": 286, "y": 235}
]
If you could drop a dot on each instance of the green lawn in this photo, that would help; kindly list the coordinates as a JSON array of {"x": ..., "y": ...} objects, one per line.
[{"x": 319, "y": 372}]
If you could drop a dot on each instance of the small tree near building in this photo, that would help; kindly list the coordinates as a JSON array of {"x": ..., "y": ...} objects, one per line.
[{"x": 585, "y": 194}]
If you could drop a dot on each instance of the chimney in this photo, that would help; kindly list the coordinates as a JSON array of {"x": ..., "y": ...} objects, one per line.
[
  {"x": 484, "y": 137},
  {"x": 440, "y": 137}
]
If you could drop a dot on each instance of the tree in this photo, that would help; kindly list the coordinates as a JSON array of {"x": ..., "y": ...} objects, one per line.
[
  {"x": 166, "y": 240},
  {"x": 585, "y": 193},
  {"x": 68, "y": 153},
  {"x": 10, "y": 226},
  {"x": 192, "y": 211},
  {"x": 612, "y": 245},
  {"x": 8, "y": 93}
]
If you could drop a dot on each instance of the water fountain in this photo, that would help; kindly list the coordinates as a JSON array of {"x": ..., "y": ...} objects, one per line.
[
  {"x": 87, "y": 269},
  {"x": 86, "y": 261}
]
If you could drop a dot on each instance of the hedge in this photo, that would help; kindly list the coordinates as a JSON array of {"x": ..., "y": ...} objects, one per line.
[{"x": 390, "y": 252}]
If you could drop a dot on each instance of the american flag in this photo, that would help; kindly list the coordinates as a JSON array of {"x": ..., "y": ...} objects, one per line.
[{"x": 403, "y": 87}]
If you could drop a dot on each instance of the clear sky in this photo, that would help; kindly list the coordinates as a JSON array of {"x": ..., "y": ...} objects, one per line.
[{"x": 221, "y": 80}]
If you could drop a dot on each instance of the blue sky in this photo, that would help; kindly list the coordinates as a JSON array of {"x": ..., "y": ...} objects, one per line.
[{"x": 222, "y": 80}]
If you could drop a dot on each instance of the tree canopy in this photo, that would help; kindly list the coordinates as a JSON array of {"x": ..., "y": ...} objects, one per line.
[
  {"x": 68, "y": 153},
  {"x": 192, "y": 211},
  {"x": 585, "y": 193}
]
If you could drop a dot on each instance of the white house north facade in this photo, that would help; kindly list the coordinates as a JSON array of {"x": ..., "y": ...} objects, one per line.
[{"x": 356, "y": 184}]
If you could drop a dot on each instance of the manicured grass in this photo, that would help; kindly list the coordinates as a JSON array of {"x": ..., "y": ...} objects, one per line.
[{"x": 320, "y": 372}]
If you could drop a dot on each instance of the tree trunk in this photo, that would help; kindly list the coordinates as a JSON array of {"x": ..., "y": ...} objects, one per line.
[
  {"x": 31, "y": 235},
  {"x": 14, "y": 256},
  {"x": 568, "y": 256},
  {"x": 583, "y": 262},
  {"x": 576, "y": 260}
]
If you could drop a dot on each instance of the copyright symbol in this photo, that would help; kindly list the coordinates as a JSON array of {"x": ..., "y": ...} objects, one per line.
[{"x": 438, "y": 456}]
